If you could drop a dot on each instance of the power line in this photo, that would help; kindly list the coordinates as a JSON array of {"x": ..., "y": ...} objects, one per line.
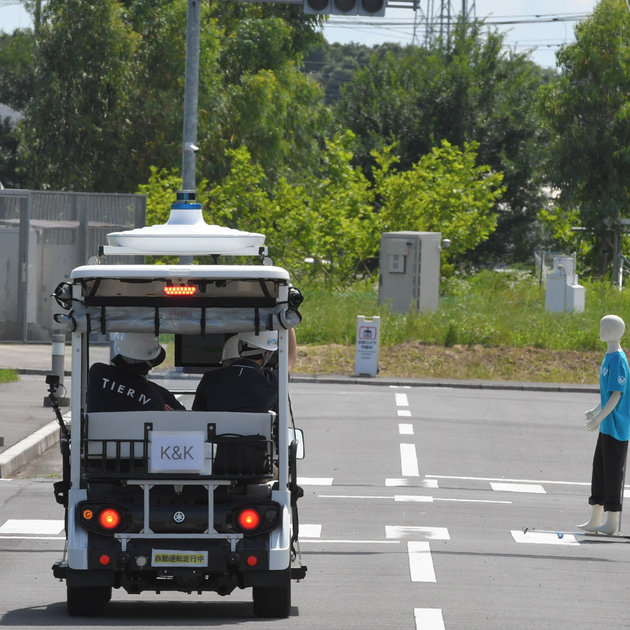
[{"x": 496, "y": 21}]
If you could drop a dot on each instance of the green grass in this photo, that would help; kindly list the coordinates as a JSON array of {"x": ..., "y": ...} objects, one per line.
[
  {"x": 492, "y": 309},
  {"x": 8, "y": 376}
]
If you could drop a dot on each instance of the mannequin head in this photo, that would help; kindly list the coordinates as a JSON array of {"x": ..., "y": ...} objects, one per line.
[{"x": 611, "y": 329}]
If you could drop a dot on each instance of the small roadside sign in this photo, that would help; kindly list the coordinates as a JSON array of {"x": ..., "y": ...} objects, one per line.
[{"x": 368, "y": 337}]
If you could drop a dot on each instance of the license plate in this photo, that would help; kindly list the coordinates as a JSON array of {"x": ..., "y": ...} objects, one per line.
[{"x": 176, "y": 558}]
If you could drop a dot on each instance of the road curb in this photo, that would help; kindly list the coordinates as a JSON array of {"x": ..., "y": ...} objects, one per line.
[{"x": 32, "y": 446}]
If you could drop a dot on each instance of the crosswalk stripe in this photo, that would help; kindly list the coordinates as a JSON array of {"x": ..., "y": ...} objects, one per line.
[{"x": 34, "y": 527}]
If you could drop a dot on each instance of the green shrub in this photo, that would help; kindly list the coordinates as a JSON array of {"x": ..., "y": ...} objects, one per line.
[
  {"x": 489, "y": 308},
  {"x": 8, "y": 376}
]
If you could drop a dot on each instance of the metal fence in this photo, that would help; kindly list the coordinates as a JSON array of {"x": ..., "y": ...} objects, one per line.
[{"x": 43, "y": 236}]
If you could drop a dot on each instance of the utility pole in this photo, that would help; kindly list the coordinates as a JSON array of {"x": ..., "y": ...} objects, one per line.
[{"x": 191, "y": 95}]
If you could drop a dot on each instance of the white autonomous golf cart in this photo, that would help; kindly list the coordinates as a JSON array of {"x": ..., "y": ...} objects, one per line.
[{"x": 186, "y": 501}]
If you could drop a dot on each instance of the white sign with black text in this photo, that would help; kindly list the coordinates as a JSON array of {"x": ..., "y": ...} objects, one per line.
[
  {"x": 368, "y": 337},
  {"x": 180, "y": 452}
]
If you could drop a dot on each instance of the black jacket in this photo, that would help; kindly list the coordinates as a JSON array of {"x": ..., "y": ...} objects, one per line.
[
  {"x": 110, "y": 388},
  {"x": 242, "y": 386}
]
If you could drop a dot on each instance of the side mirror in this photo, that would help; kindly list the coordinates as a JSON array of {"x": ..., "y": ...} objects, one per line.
[{"x": 298, "y": 436}]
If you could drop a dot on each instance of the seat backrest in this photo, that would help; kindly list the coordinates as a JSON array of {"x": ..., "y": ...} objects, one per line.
[{"x": 129, "y": 425}]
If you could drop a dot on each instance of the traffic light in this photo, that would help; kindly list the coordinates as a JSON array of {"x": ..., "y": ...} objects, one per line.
[{"x": 374, "y": 8}]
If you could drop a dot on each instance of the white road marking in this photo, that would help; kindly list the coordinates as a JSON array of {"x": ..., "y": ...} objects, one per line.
[
  {"x": 401, "y": 400},
  {"x": 350, "y": 542},
  {"x": 404, "y": 413},
  {"x": 35, "y": 527},
  {"x": 389, "y": 483},
  {"x": 428, "y": 618},
  {"x": 308, "y": 530},
  {"x": 546, "y": 482},
  {"x": 405, "y": 531},
  {"x": 315, "y": 481},
  {"x": 425, "y": 483},
  {"x": 420, "y": 562},
  {"x": 405, "y": 429},
  {"x": 476, "y": 501},
  {"x": 408, "y": 498},
  {"x": 543, "y": 538},
  {"x": 409, "y": 460},
  {"x": 532, "y": 488}
]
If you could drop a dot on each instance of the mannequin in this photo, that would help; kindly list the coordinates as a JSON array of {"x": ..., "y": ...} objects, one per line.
[{"x": 612, "y": 417}]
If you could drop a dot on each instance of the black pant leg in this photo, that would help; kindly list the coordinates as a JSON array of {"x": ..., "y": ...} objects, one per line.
[
  {"x": 597, "y": 477},
  {"x": 614, "y": 462}
]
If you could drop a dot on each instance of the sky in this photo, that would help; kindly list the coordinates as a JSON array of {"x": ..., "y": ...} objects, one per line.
[{"x": 542, "y": 38}]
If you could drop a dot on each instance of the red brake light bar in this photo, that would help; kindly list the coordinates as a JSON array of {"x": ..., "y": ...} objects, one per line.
[{"x": 180, "y": 290}]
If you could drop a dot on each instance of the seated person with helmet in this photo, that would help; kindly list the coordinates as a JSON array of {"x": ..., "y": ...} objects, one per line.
[
  {"x": 123, "y": 385},
  {"x": 245, "y": 383}
]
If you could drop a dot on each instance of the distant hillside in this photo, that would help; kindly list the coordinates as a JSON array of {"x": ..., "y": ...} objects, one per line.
[{"x": 333, "y": 64}]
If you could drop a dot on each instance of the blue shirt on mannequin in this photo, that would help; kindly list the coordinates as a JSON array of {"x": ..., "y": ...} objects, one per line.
[{"x": 614, "y": 376}]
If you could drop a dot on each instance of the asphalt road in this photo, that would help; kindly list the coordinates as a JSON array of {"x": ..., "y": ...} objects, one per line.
[{"x": 415, "y": 500}]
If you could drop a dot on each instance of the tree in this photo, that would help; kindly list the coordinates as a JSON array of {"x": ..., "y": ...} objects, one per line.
[
  {"x": 468, "y": 89},
  {"x": 264, "y": 100},
  {"x": 445, "y": 191},
  {"x": 108, "y": 99},
  {"x": 588, "y": 111},
  {"x": 16, "y": 87},
  {"x": 330, "y": 223},
  {"x": 76, "y": 123},
  {"x": 325, "y": 224},
  {"x": 18, "y": 68}
]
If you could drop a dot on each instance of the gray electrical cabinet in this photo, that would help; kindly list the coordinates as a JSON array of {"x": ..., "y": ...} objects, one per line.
[{"x": 410, "y": 270}]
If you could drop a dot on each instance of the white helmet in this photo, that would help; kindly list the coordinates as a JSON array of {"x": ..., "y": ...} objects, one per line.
[
  {"x": 137, "y": 346},
  {"x": 249, "y": 345}
]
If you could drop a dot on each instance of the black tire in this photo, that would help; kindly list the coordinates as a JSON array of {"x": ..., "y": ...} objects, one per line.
[
  {"x": 272, "y": 601},
  {"x": 87, "y": 601}
]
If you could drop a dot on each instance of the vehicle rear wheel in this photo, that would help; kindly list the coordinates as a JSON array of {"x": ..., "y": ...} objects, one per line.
[
  {"x": 272, "y": 601},
  {"x": 86, "y": 601}
]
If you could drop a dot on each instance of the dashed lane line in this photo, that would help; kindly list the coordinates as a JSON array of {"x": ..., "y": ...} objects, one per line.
[
  {"x": 429, "y": 619},
  {"x": 420, "y": 562},
  {"x": 409, "y": 460}
]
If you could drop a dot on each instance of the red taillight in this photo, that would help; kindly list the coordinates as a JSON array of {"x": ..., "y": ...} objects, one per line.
[
  {"x": 104, "y": 560},
  {"x": 249, "y": 519},
  {"x": 109, "y": 519},
  {"x": 179, "y": 290}
]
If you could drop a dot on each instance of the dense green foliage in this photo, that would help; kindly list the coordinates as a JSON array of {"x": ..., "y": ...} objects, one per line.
[
  {"x": 589, "y": 112},
  {"x": 108, "y": 82},
  {"x": 464, "y": 90},
  {"x": 468, "y": 314},
  {"x": 326, "y": 225},
  {"x": 445, "y": 137}
]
